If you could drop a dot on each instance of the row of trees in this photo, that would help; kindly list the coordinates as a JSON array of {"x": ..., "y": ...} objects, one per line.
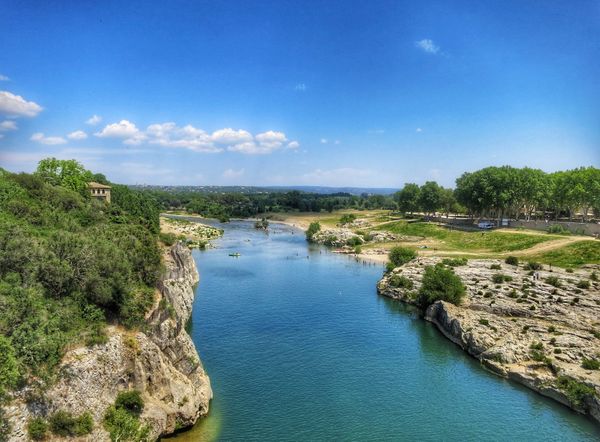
[
  {"x": 512, "y": 192},
  {"x": 509, "y": 192}
]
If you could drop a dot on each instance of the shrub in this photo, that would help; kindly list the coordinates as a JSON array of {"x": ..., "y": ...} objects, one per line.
[
  {"x": 575, "y": 390},
  {"x": 512, "y": 260},
  {"x": 131, "y": 401},
  {"x": 124, "y": 426},
  {"x": 594, "y": 276},
  {"x": 167, "y": 239},
  {"x": 583, "y": 284},
  {"x": 553, "y": 281},
  {"x": 400, "y": 281},
  {"x": 358, "y": 250},
  {"x": 347, "y": 218},
  {"x": 484, "y": 322},
  {"x": 440, "y": 283},
  {"x": 37, "y": 428},
  {"x": 536, "y": 346},
  {"x": 532, "y": 265},
  {"x": 590, "y": 364},
  {"x": 401, "y": 255},
  {"x": 454, "y": 262},
  {"x": 569, "y": 270},
  {"x": 558, "y": 230},
  {"x": 499, "y": 278},
  {"x": 9, "y": 369},
  {"x": 496, "y": 267},
  {"x": 64, "y": 424},
  {"x": 313, "y": 228},
  {"x": 354, "y": 241}
]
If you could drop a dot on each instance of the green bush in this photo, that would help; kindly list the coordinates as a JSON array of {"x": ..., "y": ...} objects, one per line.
[
  {"x": 575, "y": 390},
  {"x": 167, "y": 239},
  {"x": 347, "y": 218},
  {"x": 354, "y": 241},
  {"x": 123, "y": 426},
  {"x": 496, "y": 267},
  {"x": 591, "y": 364},
  {"x": 454, "y": 262},
  {"x": 440, "y": 283},
  {"x": 553, "y": 281},
  {"x": 401, "y": 255},
  {"x": 64, "y": 424},
  {"x": 557, "y": 229},
  {"x": 532, "y": 265},
  {"x": 512, "y": 260},
  {"x": 9, "y": 369},
  {"x": 131, "y": 401},
  {"x": 313, "y": 228},
  {"x": 499, "y": 278},
  {"x": 583, "y": 284},
  {"x": 400, "y": 281},
  {"x": 37, "y": 428}
]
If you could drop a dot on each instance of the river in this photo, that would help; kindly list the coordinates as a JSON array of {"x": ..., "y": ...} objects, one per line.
[{"x": 299, "y": 346}]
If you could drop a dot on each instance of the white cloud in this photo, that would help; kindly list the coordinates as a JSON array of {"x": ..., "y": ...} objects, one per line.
[
  {"x": 7, "y": 125},
  {"x": 419, "y": 129},
  {"x": 232, "y": 174},
  {"x": 428, "y": 46},
  {"x": 16, "y": 106},
  {"x": 301, "y": 87},
  {"x": 77, "y": 135},
  {"x": 230, "y": 136},
  {"x": 4, "y": 78},
  {"x": 40, "y": 138},
  {"x": 337, "y": 142},
  {"x": 187, "y": 137},
  {"x": 94, "y": 119},
  {"x": 123, "y": 129},
  {"x": 323, "y": 140}
]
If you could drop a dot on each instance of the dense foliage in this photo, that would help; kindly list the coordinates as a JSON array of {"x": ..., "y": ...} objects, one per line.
[
  {"x": 440, "y": 283},
  {"x": 68, "y": 263},
  {"x": 122, "y": 419},
  {"x": 509, "y": 192}
]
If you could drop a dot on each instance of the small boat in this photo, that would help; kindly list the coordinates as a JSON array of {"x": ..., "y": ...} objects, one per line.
[{"x": 236, "y": 254}]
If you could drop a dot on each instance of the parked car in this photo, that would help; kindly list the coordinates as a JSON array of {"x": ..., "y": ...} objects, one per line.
[{"x": 486, "y": 225}]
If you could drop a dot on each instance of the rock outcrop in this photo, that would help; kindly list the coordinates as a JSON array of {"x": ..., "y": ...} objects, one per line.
[
  {"x": 161, "y": 362},
  {"x": 540, "y": 328}
]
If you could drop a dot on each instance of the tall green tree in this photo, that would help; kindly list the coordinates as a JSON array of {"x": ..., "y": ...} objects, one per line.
[
  {"x": 64, "y": 173},
  {"x": 408, "y": 198}
]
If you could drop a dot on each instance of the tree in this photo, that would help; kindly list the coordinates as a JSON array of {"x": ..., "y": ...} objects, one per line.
[
  {"x": 408, "y": 198},
  {"x": 448, "y": 201},
  {"x": 313, "y": 228},
  {"x": 430, "y": 197},
  {"x": 65, "y": 173}
]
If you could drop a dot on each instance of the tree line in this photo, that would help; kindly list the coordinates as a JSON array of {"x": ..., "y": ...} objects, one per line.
[{"x": 509, "y": 192}]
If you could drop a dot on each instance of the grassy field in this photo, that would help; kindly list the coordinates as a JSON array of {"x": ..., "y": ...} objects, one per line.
[
  {"x": 572, "y": 255},
  {"x": 495, "y": 241},
  {"x": 431, "y": 239}
]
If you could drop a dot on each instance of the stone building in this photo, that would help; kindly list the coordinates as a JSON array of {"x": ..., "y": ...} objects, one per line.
[{"x": 100, "y": 191}]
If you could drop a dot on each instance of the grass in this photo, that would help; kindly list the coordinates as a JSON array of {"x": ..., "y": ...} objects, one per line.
[
  {"x": 573, "y": 255},
  {"x": 460, "y": 240}
]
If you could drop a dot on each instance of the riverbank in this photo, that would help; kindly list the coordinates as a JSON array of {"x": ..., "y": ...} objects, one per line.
[{"x": 537, "y": 327}]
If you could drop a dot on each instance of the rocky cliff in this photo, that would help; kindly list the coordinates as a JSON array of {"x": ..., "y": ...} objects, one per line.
[
  {"x": 160, "y": 361},
  {"x": 539, "y": 328}
]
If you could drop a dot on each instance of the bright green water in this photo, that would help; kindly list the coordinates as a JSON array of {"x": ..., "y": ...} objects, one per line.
[{"x": 303, "y": 348}]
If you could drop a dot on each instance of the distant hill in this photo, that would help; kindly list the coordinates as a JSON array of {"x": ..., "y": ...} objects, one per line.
[{"x": 323, "y": 190}]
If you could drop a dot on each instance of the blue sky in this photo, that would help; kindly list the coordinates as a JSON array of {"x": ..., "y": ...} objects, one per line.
[{"x": 370, "y": 93}]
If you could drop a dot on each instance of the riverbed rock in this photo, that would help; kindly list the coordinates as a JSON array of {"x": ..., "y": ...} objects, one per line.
[
  {"x": 161, "y": 362},
  {"x": 536, "y": 327}
]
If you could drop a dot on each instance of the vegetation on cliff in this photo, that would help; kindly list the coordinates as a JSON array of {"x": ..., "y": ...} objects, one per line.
[{"x": 68, "y": 265}]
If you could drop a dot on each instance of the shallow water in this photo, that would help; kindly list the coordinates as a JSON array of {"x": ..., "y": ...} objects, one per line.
[{"x": 299, "y": 346}]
